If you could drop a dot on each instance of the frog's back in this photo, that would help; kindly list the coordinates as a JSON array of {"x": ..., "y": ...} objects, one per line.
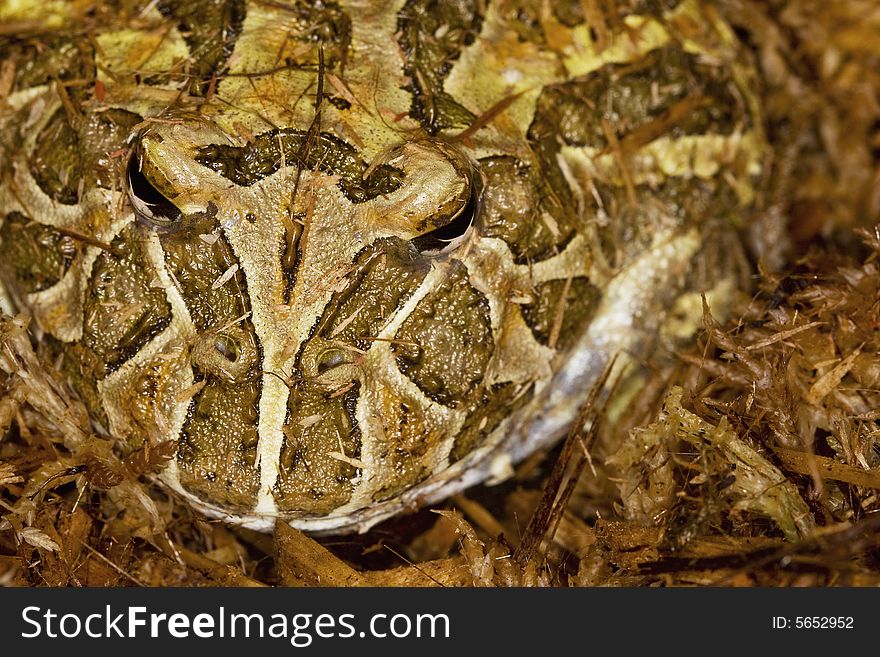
[{"x": 353, "y": 256}]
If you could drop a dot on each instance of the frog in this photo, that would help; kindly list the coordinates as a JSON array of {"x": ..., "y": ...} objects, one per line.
[{"x": 352, "y": 257}]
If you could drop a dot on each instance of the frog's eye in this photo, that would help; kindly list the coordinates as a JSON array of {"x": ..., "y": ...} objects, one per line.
[
  {"x": 449, "y": 235},
  {"x": 150, "y": 206}
]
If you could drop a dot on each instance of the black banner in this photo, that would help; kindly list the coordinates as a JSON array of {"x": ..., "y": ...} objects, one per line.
[{"x": 435, "y": 621}]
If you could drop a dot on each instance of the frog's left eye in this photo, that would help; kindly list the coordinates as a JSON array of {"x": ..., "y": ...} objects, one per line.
[{"x": 150, "y": 205}]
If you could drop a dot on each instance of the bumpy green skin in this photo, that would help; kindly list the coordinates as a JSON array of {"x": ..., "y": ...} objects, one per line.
[
  {"x": 37, "y": 256},
  {"x": 245, "y": 165},
  {"x": 432, "y": 35},
  {"x": 390, "y": 243}
]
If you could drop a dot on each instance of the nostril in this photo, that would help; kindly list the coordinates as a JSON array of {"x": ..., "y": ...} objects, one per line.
[
  {"x": 330, "y": 359},
  {"x": 231, "y": 355},
  {"x": 227, "y": 347}
]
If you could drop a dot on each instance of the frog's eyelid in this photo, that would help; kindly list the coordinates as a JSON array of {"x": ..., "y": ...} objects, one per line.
[
  {"x": 150, "y": 206},
  {"x": 450, "y": 234}
]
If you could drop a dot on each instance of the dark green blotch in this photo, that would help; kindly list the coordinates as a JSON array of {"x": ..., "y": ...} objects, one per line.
[
  {"x": 101, "y": 134},
  {"x": 579, "y": 307},
  {"x": 196, "y": 265},
  {"x": 56, "y": 162},
  {"x": 33, "y": 257},
  {"x": 338, "y": 102},
  {"x": 310, "y": 479},
  {"x": 73, "y": 154},
  {"x": 514, "y": 197},
  {"x": 323, "y": 23},
  {"x": 218, "y": 444},
  {"x": 123, "y": 307},
  {"x": 210, "y": 29},
  {"x": 632, "y": 94},
  {"x": 432, "y": 35},
  {"x": 245, "y": 165},
  {"x": 445, "y": 345},
  {"x": 385, "y": 275}
]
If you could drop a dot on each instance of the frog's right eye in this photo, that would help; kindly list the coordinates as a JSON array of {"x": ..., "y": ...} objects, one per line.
[{"x": 150, "y": 206}]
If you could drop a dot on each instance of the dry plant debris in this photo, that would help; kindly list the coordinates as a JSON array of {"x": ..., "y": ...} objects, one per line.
[{"x": 756, "y": 464}]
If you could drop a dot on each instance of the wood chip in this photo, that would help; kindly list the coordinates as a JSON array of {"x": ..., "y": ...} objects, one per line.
[
  {"x": 831, "y": 379},
  {"x": 309, "y": 420},
  {"x": 782, "y": 335},
  {"x": 807, "y": 463},
  {"x": 339, "y": 456},
  {"x": 225, "y": 277}
]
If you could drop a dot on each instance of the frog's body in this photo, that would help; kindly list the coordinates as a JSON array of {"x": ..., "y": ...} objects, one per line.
[{"x": 354, "y": 255}]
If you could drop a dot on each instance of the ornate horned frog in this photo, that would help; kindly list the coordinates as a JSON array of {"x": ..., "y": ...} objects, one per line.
[{"x": 353, "y": 255}]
